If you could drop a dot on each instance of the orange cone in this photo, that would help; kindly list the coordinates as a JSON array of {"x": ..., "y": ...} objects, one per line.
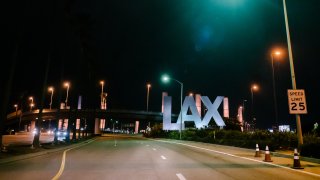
[
  {"x": 257, "y": 151},
  {"x": 296, "y": 160},
  {"x": 267, "y": 157}
]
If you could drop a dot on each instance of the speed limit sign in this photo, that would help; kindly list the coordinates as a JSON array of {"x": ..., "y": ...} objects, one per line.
[{"x": 297, "y": 101}]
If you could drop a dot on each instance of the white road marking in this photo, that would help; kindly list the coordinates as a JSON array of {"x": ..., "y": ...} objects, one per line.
[
  {"x": 219, "y": 152},
  {"x": 163, "y": 157},
  {"x": 154, "y": 149},
  {"x": 180, "y": 176}
]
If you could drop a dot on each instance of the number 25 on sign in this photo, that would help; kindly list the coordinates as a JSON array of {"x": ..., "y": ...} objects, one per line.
[{"x": 297, "y": 101}]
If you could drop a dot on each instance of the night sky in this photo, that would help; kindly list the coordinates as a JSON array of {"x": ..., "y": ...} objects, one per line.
[{"x": 215, "y": 47}]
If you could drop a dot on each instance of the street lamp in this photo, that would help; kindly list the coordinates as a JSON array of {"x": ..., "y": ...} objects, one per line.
[
  {"x": 293, "y": 76},
  {"x": 16, "y": 107},
  {"x": 67, "y": 84},
  {"x": 148, "y": 90},
  {"x": 114, "y": 138},
  {"x": 50, "y": 89},
  {"x": 253, "y": 88},
  {"x": 31, "y": 104},
  {"x": 243, "y": 113},
  {"x": 102, "y": 101},
  {"x": 166, "y": 78},
  {"x": 276, "y": 53}
]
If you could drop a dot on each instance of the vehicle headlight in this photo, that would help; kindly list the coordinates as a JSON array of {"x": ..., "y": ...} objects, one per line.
[{"x": 34, "y": 131}]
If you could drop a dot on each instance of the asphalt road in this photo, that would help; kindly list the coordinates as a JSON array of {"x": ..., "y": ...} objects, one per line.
[{"x": 124, "y": 157}]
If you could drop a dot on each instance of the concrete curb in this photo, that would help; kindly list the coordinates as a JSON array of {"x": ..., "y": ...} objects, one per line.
[{"x": 41, "y": 153}]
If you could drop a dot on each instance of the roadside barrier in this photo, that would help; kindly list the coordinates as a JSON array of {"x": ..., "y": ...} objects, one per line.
[{"x": 267, "y": 157}]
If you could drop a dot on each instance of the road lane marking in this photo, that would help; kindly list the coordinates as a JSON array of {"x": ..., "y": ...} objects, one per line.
[
  {"x": 180, "y": 176},
  {"x": 57, "y": 176},
  {"x": 163, "y": 157},
  {"x": 154, "y": 149},
  {"x": 62, "y": 165},
  {"x": 232, "y": 155}
]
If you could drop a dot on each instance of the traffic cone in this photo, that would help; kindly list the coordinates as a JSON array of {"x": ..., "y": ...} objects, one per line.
[
  {"x": 267, "y": 157},
  {"x": 257, "y": 151},
  {"x": 296, "y": 160}
]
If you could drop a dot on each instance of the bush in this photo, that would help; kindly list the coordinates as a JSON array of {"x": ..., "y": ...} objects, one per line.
[
  {"x": 275, "y": 141},
  {"x": 310, "y": 150}
]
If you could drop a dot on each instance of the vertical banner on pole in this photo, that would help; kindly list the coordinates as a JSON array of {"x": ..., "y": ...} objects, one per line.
[
  {"x": 163, "y": 95},
  {"x": 136, "y": 129},
  {"x": 225, "y": 107}
]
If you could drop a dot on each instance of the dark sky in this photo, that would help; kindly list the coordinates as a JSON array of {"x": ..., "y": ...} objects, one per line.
[{"x": 215, "y": 47}]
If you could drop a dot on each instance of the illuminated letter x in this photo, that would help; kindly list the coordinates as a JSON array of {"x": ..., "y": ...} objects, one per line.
[{"x": 212, "y": 111}]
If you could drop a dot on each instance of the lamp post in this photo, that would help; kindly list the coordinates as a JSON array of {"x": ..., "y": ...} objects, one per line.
[
  {"x": 102, "y": 101},
  {"x": 243, "y": 114},
  {"x": 67, "y": 85},
  {"x": 277, "y": 53},
  {"x": 16, "y": 107},
  {"x": 31, "y": 104},
  {"x": 148, "y": 90},
  {"x": 115, "y": 141},
  {"x": 166, "y": 78},
  {"x": 253, "y": 88},
  {"x": 293, "y": 77},
  {"x": 50, "y": 89}
]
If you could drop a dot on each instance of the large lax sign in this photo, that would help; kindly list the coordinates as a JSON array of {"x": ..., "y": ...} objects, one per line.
[{"x": 189, "y": 103}]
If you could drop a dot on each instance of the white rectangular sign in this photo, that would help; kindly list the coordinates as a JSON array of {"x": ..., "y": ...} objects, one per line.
[{"x": 297, "y": 101}]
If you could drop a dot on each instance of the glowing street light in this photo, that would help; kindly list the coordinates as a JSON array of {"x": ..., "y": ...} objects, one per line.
[
  {"x": 275, "y": 53},
  {"x": 67, "y": 85},
  {"x": 166, "y": 78},
  {"x": 102, "y": 101},
  {"x": 148, "y": 90},
  {"x": 16, "y": 107},
  {"x": 253, "y": 88},
  {"x": 31, "y": 104},
  {"x": 50, "y": 89}
]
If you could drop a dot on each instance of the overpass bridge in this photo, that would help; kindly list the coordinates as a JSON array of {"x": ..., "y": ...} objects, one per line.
[{"x": 16, "y": 119}]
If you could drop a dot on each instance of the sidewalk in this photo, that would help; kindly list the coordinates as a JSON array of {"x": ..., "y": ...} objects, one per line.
[
  {"x": 25, "y": 151},
  {"x": 290, "y": 154}
]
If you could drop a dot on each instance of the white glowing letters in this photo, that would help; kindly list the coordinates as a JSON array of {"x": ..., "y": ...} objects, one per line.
[{"x": 189, "y": 104}]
